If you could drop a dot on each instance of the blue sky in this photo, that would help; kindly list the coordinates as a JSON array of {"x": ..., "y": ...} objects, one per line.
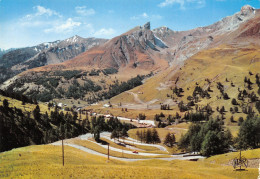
[{"x": 31, "y": 22}]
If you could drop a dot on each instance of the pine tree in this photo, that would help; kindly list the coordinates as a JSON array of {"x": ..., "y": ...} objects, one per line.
[
  {"x": 234, "y": 102},
  {"x": 124, "y": 133},
  {"x": 97, "y": 133},
  {"x": 137, "y": 135},
  {"x": 249, "y": 133},
  {"x": 148, "y": 136},
  {"x": 210, "y": 144},
  {"x": 169, "y": 140},
  {"x": 36, "y": 113},
  {"x": 75, "y": 116},
  {"x": 232, "y": 119},
  {"x": 5, "y": 104},
  {"x": 155, "y": 136},
  {"x": 240, "y": 121},
  {"x": 114, "y": 134},
  {"x": 88, "y": 126}
]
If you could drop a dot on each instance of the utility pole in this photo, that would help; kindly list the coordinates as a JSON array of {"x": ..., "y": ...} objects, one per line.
[
  {"x": 122, "y": 152},
  {"x": 62, "y": 152},
  {"x": 108, "y": 152},
  {"x": 240, "y": 158}
]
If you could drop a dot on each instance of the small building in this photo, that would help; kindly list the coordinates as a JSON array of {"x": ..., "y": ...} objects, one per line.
[
  {"x": 106, "y": 105},
  {"x": 60, "y": 105},
  {"x": 108, "y": 116}
]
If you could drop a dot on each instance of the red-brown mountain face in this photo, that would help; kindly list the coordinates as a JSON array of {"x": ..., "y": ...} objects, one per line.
[
  {"x": 137, "y": 49},
  {"x": 252, "y": 28}
]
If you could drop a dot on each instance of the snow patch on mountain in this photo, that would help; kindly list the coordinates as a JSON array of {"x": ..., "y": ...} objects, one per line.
[{"x": 158, "y": 42}]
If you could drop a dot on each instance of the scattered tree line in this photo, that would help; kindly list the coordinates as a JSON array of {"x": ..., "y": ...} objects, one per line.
[
  {"x": 165, "y": 107},
  {"x": 19, "y": 128},
  {"x": 118, "y": 88},
  {"x": 109, "y": 71},
  {"x": 117, "y": 133},
  {"x": 67, "y": 74},
  {"x": 208, "y": 138},
  {"x": 148, "y": 136},
  {"x": 18, "y": 96},
  {"x": 198, "y": 91},
  {"x": 99, "y": 124},
  {"x": 77, "y": 91},
  {"x": 177, "y": 91},
  {"x": 249, "y": 134}
]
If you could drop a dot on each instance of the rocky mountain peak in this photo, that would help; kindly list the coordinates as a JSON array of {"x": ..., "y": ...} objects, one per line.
[
  {"x": 163, "y": 31},
  {"x": 147, "y": 26},
  {"x": 74, "y": 39},
  {"x": 247, "y": 9}
]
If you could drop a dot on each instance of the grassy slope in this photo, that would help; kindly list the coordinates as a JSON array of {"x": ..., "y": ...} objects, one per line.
[
  {"x": 44, "y": 161},
  {"x": 216, "y": 64},
  {"x": 27, "y": 107}
]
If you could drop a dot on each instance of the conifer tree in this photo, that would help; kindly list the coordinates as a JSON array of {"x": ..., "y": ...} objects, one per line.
[
  {"x": 148, "y": 136},
  {"x": 169, "y": 140},
  {"x": 155, "y": 136}
]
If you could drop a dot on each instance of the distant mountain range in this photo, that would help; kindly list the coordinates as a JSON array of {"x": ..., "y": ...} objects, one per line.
[
  {"x": 19, "y": 60},
  {"x": 3, "y": 51},
  {"x": 138, "y": 51}
]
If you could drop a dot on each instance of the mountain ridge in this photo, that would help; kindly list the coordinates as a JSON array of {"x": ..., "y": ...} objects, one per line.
[
  {"x": 141, "y": 51},
  {"x": 19, "y": 60}
]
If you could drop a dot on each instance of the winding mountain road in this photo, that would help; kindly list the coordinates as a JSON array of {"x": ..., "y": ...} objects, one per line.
[{"x": 105, "y": 135}]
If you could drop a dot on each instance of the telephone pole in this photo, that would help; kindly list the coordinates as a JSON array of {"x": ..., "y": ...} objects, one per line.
[
  {"x": 108, "y": 152},
  {"x": 62, "y": 152}
]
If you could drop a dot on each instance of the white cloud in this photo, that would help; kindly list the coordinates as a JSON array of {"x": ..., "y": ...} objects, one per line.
[
  {"x": 183, "y": 3},
  {"x": 82, "y": 10},
  {"x": 65, "y": 27},
  {"x": 104, "y": 32},
  {"x": 42, "y": 17},
  {"x": 170, "y": 2},
  {"x": 41, "y": 11},
  {"x": 141, "y": 16},
  {"x": 145, "y": 16}
]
